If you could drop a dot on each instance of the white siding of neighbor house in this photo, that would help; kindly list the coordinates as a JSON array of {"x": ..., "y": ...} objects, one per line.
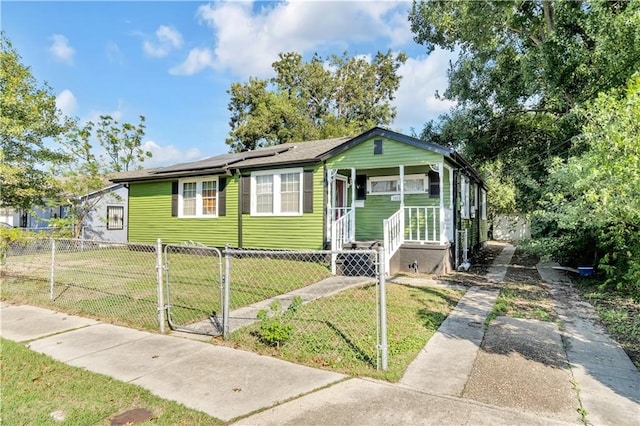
[{"x": 511, "y": 228}]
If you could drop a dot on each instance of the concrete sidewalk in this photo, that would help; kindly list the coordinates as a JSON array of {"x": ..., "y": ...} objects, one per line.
[{"x": 609, "y": 383}]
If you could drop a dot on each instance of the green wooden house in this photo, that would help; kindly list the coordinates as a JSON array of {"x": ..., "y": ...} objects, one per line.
[{"x": 381, "y": 187}]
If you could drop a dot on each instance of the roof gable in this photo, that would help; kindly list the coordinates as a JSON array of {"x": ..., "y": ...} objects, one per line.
[{"x": 389, "y": 134}]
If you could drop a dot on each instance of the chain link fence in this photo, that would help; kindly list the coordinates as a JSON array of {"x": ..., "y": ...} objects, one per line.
[
  {"x": 282, "y": 303},
  {"x": 288, "y": 303},
  {"x": 114, "y": 282}
]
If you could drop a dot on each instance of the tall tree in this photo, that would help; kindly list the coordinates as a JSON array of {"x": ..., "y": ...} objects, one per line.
[
  {"x": 122, "y": 143},
  {"x": 28, "y": 118},
  {"x": 87, "y": 172},
  {"x": 591, "y": 207},
  {"x": 325, "y": 97},
  {"x": 524, "y": 69}
]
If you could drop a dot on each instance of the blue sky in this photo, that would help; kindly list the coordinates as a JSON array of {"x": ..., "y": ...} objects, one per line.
[{"x": 174, "y": 61}]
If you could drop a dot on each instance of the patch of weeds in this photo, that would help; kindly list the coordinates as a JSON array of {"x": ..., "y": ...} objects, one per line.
[
  {"x": 583, "y": 414},
  {"x": 274, "y": 326},
  {"x": 620, "y": 315}
]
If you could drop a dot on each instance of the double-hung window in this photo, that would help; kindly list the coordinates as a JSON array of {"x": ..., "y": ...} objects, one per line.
[
  {"x": 198, "y": 197},
  {"x": 276, "y": 193}
]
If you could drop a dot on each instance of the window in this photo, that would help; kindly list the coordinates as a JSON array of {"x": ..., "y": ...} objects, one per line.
[
  {"x": 473, "y": 199},
  {"x": 377, "y": 147},
  {"x": 464, "y": 198},
  {"x": 276, "y": 193},
  {"x": 434, "y": 184},
  {"x": 198, "y": 197},
  {"x": 115, "y": 217},
  {"x": 483, "y": 204},
  {"x": 381, "y": 185}
]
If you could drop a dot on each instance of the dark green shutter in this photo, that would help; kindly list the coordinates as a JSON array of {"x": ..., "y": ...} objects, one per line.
[
  {"x": 245, "y": 183},
  {"x": 361, "y": 187},
  {"x": 222, "y": 196},
  {"x": 307, "y": 196},
  {"x": 174, "y": 199}
]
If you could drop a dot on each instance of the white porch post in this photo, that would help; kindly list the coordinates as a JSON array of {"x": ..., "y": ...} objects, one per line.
[
  {"x": 352, "y": 209},
  {"x": 353, "y": 187},
  {"x": 330, "y": 205},
  {"x": 402, "y": 186},
  {"x": 443, "y": 231}
]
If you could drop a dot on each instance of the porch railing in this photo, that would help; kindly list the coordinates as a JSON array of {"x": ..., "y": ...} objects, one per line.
[
  {"x": 342, "y": 231},
  {"x": 393, "y": 235},
  {"x": 414, "y": 224},
  {"x": 422, "y": 224}
]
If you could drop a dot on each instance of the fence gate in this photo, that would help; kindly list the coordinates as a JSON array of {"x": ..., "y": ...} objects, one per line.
[{"x": 194, "y": 288}]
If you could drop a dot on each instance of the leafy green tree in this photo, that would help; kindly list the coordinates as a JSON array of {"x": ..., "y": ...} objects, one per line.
[
  {"x": 88, "y": 172},
  {"x": 591, "y": 208},
  {"x": 28, "y": 118},
  {"x": 122, "y": 143},
  {"x": 524, "y": 70},
  {"x": 322, "y": 98}
]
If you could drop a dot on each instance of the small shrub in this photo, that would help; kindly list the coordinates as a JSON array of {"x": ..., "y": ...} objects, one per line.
[{"x": 274, "y": 328}]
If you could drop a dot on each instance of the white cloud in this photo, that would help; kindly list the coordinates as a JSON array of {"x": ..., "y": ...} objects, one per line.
[
  {"x": 166, "y": 155},
  {"x": 61, "y": 50},
  {"x": 197, "y": 60},
  {"x": 66, "y": 102},
  {"x": 116, "y": 114},
  {"x": 248, "y": 38},
  {"x": 415, "y": 100},
  {"x": 167, "y": 39},
  {"x": 114, "y": 54}
]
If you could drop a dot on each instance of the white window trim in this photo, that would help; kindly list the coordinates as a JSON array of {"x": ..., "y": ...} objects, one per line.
[
  {"x": 464, "y": 211},
  {"x": 276, "y": 192},
  {"x": 198, "y": 182},
  {"x": 474, "y": 208},
  {"x": 483, "y": 206},
  {"x": 423, "y": 177}
]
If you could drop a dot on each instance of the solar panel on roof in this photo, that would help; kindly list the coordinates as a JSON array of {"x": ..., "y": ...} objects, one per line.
[{"x": 221, "y": 161}]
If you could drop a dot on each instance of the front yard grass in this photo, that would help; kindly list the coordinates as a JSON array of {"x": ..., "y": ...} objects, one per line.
[
  {"x": 34, "y": 386},
  {"x": 119, "y": 285},
  {"x": 338, "y": 333}
]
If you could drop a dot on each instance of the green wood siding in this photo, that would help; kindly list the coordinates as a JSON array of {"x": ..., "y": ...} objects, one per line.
[
  {"x": 393, "y": 154},
  {"x": 150, "y": 217},
  {"x": 288, "y": 232}
]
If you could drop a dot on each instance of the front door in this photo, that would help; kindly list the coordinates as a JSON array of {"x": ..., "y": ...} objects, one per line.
[{"x": 341, "y": 197}]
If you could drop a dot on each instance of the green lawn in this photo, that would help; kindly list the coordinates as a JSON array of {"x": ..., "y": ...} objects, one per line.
[
  {"x": 34, "y": 386},
  {"x": 119, "y": 285},
  {"x": 338, "y": 333}
]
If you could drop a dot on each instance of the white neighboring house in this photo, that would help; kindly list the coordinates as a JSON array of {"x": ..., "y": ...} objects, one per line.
[{"x": 107, "y": 221}]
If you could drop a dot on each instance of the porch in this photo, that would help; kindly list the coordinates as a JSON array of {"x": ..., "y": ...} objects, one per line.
[{"x": 409, "y": 214}]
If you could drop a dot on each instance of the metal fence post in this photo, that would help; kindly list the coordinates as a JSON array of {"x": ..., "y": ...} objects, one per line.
[
  {"x": 159, "y": 270},
  {"x": 383, "y": 307},
  {"x": 52, "y": 274},
  {"x": 227, "y": 283}
]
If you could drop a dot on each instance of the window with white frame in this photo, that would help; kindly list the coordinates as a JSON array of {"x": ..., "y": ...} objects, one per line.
[
  {"x": 198, "y": 197},
  {"x": 115, "y": 217},
  {"x": 276, "y": 192},
  {"x": 385, "y": 185},
  {"x": 464, "y": 198},
  {"x": 473, "y": 199},
  {"x": 483, "y": 204}
]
